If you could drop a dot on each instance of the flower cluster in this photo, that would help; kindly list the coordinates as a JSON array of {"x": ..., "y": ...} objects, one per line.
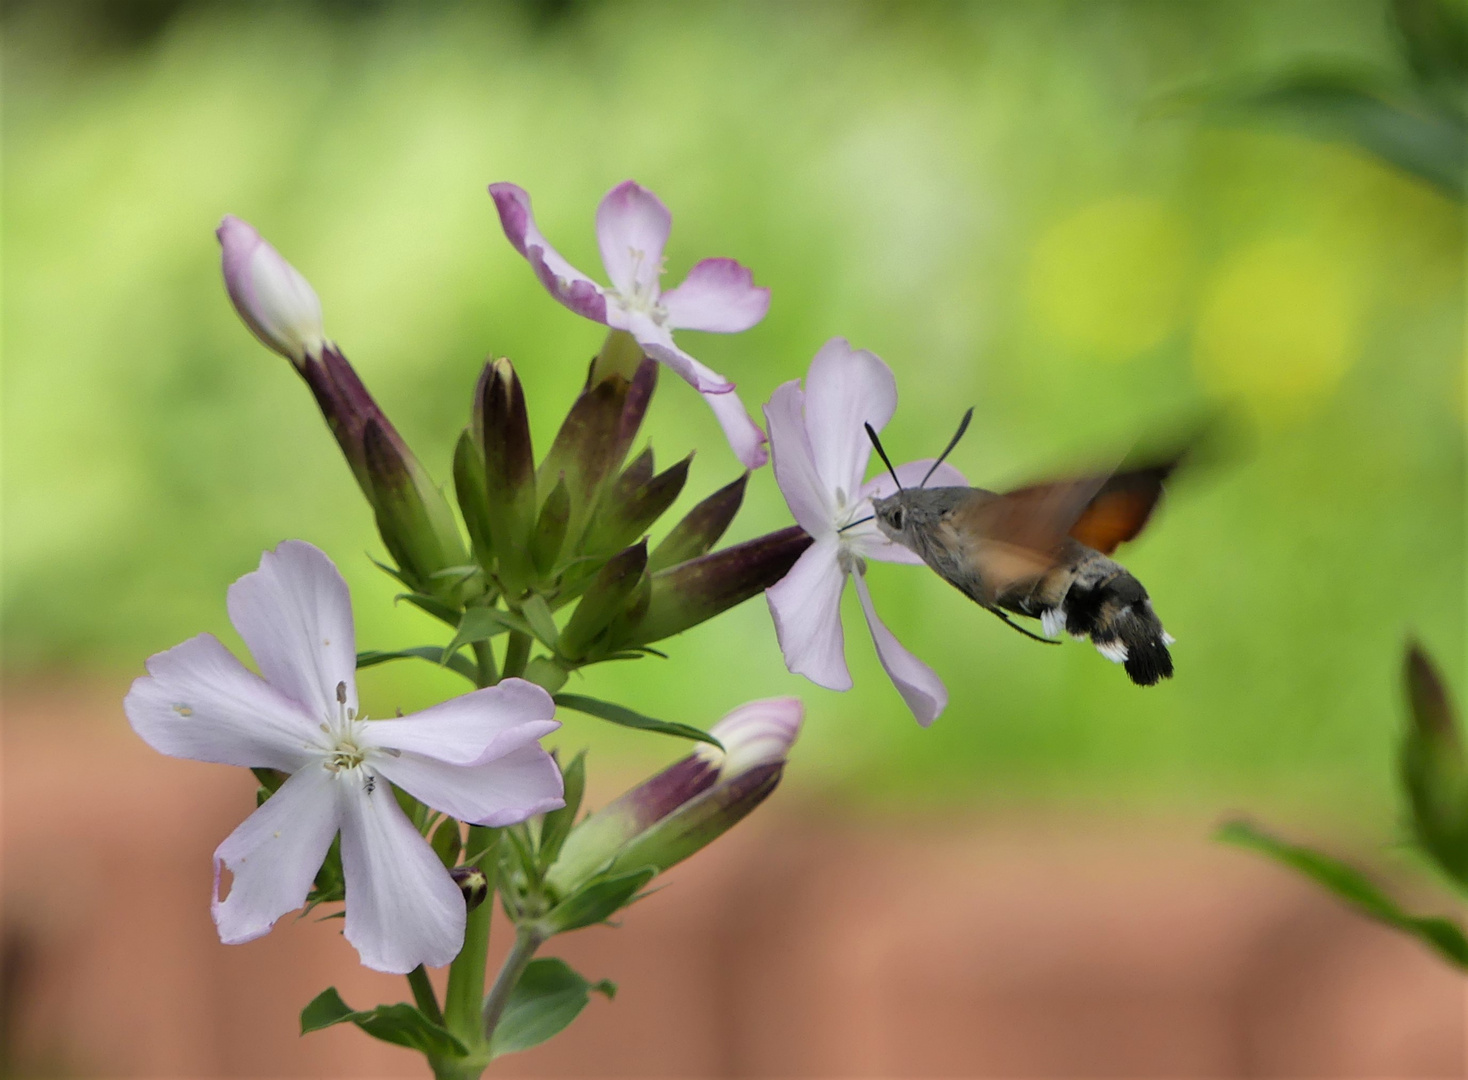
[{"x": 411, "y": 821}]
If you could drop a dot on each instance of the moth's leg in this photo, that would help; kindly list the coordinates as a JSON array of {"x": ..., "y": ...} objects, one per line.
[{"x": 1016, "y": 626}]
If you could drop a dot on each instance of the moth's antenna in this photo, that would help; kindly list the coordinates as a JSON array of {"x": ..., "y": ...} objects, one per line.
[
  {"x": 885, "y": 459},
  {"x": 858, "y": 521},
  {"x": 962, "y": 427}
]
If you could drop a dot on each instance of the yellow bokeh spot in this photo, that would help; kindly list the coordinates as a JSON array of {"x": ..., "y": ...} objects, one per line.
[
  {"x": 1109, "y": 280},
  {"x": 1278, "y": 324}
]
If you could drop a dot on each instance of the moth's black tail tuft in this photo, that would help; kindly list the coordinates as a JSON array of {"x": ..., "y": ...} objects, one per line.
[{"x": 1117, "y": 616}]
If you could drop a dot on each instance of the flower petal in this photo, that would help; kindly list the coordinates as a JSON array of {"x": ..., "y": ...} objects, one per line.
[
  {"x": 657, "y": 342},
  {"x": 274, "y": 300},
  {"x": 295, "y": 614},
  {"x": 806, "y": 607},
  {"x": 403, "y": 909},
  {"x": 757, "y": 733},
  {"x": 199, "y": 702},
  {"x": 911, "y": 475},
  {"x": 844, "y": 389},
  {"x": 632, "y": 227},
  {"x": 867, "y": 539},
  {"x": 744, "y": 435},
  {"x": 562, "y": 280},
  {"x": 718, "y": 295},
  {"x": 795, "y": 468},
  {"x": 274, "y": 855},
  {"x": 473, "y": 728},
  {"x": 504, "y": 791},
  {"x": 918, "y": 684}
]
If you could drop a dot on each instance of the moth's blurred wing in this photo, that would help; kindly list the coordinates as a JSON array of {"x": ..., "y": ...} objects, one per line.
[
  {"x": 1121, "y": 508},
  {"x": 1038, "y": 517}
]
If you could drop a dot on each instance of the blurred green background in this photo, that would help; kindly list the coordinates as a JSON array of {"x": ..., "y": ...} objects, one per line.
[{"x": 1012, "y": 203}]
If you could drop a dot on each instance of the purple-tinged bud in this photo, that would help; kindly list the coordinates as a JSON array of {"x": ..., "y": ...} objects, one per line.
[
  {"x": 700, "y": 528},
  {"x": 690, "y": 803},
  {"x": 1434, "y": 770},
  {"x": 603, "y": 600},
  {"x": 275, "y": 301},
  {"x": 684, "y": 595},
  {"x": 473, "y": 883},
  {"x": 594, "y": 439},
  {"x": 634, "y": 502},
  {"x": 502, "y": 432}
]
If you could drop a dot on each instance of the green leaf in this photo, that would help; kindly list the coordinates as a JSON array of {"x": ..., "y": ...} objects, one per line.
[
  {"x": 481, "y": 624},
  {"x": 625, "y": 717},
  {"x": 401, "y": 1024},
  {"x": 1342, "y": 106},
  {"x": 447, "y": 843},
  {"x": 1351, "y": 885},
  {"x": 549, "y": 995},
  {"x": 432, "y": 605},
  {"x": 432, "y": 653},
  {"x": 597, "y": 901}
]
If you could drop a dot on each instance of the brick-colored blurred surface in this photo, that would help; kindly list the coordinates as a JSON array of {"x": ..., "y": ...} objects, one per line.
[{"x": 797, "y": 946}]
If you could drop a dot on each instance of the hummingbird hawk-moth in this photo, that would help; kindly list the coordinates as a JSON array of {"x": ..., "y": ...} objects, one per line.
[{"x": 1042, "y": 551}]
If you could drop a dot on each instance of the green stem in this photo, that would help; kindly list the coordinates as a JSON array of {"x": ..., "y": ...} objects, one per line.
[
  {"x": 517, "y": 654},
  {"x": 487, "y": 674},
  {"x": 465, "y": 993},
  {"x": 423, "y": 995},
  {"x": 526, "y": 942}
]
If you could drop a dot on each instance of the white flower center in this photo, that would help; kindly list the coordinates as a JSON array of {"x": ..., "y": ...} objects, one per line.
[{"x": 643, "y": 297}]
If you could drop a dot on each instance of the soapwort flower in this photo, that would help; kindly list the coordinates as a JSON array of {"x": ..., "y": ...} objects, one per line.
[
  {"x": 820, "y": 456},
  {"x": 632, "y": 227},
  {"x": 474, "y": 757}
]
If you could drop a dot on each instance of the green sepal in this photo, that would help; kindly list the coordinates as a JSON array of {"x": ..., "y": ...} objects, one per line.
[
  {"x": 548, "y": 996},
  {"x": 1350, "y": 885},
  {"x": 473, "y": 501},
  {"x": 556, "y": 825},
  {"x": 701, "y": 528},
  {"x": 462, "y": 665},
  {"x": 413, "y": 519},
  {"x": 550, "y": 528},
  {"x": 447, "y": 843},
  {"x": 625, "y": 717},
  {"x": 597, "y": 901},
  {"x": 604, "y": 599},
  {"x": 401, "y": 1024}
]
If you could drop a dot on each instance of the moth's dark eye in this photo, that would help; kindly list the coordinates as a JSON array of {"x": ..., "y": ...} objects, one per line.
[{"x": 897, "y": 519}]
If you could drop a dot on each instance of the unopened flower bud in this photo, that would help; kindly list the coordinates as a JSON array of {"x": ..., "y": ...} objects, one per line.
[
  {"x": 473, "y": 883},
  {"x": 604, "y": 599},
  {"x": 684, "y": 595},
  {"x": 700, "y": 528},
  {"x": 689, "y": 804},
  {"x": 502, "y": 433},
  {"x": 271, "y": 296}
]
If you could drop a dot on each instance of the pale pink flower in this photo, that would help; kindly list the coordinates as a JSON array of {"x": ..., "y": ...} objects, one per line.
[
  {"x": 632, "y": 227},
  {"x": 820, "y": 451},
  {"x": 475, "y": 758}
]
